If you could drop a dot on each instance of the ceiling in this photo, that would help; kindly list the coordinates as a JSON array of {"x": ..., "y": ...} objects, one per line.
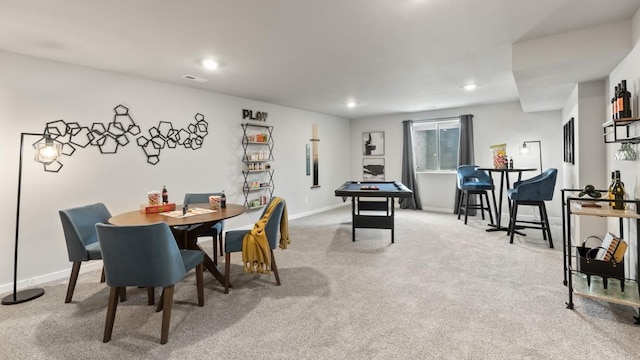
[{"x": 390, "y": 56}]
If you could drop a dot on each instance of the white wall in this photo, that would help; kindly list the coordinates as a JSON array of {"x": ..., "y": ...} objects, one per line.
[
  {"x": 629, "y": 70},
  {"x": 492, "y": 124},
  {"x": 36, "y": 91},
  {"x": 586, "y": 106}
]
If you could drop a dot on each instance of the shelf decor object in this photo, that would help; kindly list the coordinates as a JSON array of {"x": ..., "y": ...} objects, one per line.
[
  {"x": 626, "y": 152},
  {"x": 316, "y": 162},
  {"x": 47, "y": 152},
  {"x": 524, "y": 150}
]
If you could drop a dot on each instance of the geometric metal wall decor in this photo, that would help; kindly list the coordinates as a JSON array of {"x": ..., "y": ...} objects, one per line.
[{"x": 120, "y": 132}]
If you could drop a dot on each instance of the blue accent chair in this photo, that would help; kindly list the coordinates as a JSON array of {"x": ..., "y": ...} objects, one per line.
[
  {"x": 472, "y": 181},
  {"x": 146, "y": 256},
  {"x": 79, "y": 226},
  {"x": 533, "y": 192},
  {"x": 233, "y": 241},
  {"x": 217, "y": 229}
]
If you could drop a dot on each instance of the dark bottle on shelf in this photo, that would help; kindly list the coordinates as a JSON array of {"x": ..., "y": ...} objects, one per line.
[
  {"x": 223, "y": 200},
  {"x": 614, "y": 104},
  {"x": 618, "y": 193},
  {"x": 511, "y": 162},
  {"x": 165, "y": 195},
  {"x": 626, "y": 100},
  {"x": 619, "y": 97},
  {"x": 610, "y": 195}
]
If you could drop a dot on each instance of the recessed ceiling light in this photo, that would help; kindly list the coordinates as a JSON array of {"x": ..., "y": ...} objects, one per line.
[
  {"x": 470, "y": 86},
  {"x": 194, "y": 78},
  {"x": 351, "y": 104},
  {"x": 210, "y": 64}
]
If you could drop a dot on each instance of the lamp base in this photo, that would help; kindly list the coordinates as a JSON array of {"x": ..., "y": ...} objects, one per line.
[{"x": 22, "y": 296}]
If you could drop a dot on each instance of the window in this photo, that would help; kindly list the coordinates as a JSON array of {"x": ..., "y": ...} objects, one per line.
[{"x": 436, "y": 145}]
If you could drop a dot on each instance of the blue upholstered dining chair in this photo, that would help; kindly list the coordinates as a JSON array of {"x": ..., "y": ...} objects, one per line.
[
  {"x": 472, "y": 181},
  {"x": 217, "y": 229},
  {"x": 79, "y": 226},
  {"x": 146, "y": 256},
  {"x": 233, "y": 241},
  {"x": 533, "y": 192}
]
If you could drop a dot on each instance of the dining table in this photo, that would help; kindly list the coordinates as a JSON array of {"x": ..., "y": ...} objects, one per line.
[
  {"x": 504, "y": 180},
  {"x": 186, "y": 228}
]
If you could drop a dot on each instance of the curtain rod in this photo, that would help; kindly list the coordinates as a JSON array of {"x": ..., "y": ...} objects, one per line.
[{"x": 442, "y": 118}]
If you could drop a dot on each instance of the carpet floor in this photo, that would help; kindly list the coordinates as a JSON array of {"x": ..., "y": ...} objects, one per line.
[{"x": 444, "y": 290}]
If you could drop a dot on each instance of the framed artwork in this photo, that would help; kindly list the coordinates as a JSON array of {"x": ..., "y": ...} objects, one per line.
[
  {"x": 568, "y": 142},
  {"x": 373, "y": 143},
  {"x": 373, "y": 169}
]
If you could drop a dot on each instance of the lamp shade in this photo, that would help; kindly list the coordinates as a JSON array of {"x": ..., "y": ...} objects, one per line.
[{"x": 47, "y": 150}]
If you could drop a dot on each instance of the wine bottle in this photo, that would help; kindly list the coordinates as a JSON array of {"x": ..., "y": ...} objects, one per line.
[
  {"x": 626, "y": 100},
  {"x": 618, "y": 193},
  {"x": 610, "y": 195},
  {"x": 619, "y": 98},
  {"x": 165, "y": 195},
  {"x": 223, "y": 200},
  {"x": 614, "y": 104}
]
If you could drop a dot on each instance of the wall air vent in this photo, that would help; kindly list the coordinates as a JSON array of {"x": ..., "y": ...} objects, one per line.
[{"x": 194, "y": 78}]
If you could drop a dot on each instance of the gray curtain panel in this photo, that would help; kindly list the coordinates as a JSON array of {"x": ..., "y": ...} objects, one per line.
[
  {"x": 465, "y": 154},
  {"x": 409, "y": 168}
]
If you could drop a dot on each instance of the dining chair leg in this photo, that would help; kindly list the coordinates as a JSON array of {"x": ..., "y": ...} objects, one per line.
[
  {"x": 466, "y": 208},
  {"x": 546, "y": 221},
  {"x": 220, "y": 241},
  {"x": 111, "y": 313},
  {"x": 102, "y": 276},
  {"x": 151, "y": 294},
  {"x": 73, "y": 279},
  {"x": 482, "y": 207},
  {"x": 512, "y": 221},
  {"x": 215, "y": 252},
  {"x": 200, "y": 284},
  {"x": 542, "y": 222},
  {"x": 166, "y": 313},
  {"x": 227, "y": 268},
  {"x": 123, "y": 294},
  {"x": 161, "y": 301},
  {"x": 274, "y": 267},
  {"x": 460, "y": 204}
]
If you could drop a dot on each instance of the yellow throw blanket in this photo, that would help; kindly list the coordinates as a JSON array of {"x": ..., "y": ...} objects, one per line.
[{"x": 256, "y": 252}]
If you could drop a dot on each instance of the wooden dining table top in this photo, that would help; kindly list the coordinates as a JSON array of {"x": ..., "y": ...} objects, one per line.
[{"x": 137, "y": 217}]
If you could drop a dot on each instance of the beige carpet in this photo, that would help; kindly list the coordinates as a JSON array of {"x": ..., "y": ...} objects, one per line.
[{"x": 442, "y": 291}]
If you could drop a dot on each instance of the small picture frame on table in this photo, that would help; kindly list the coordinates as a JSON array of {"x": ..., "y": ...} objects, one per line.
[
  {"x": 373, "y": 169},
  {"x": 373, "y": 143}
]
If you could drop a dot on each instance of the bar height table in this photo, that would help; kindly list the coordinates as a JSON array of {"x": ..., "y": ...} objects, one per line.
[{"x": 504, "y": 178}]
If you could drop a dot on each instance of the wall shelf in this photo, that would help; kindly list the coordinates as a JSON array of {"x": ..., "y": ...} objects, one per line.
[
  {"x": 257, "y": 157},
  {"x": 611, "y": 131}
]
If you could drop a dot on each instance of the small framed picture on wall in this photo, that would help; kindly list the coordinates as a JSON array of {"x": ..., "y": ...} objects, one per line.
[
  {"x": 568, "y": 142},
  {"x": 373, "y": 169},
  {"x": 373, "y": 143}
]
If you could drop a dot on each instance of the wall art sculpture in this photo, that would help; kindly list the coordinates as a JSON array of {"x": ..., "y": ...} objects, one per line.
[{"x": 120, "y": 132}]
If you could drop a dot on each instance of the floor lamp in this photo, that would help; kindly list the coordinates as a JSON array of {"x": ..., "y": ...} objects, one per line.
[
  {"x": 524, "y": 150},
  {"x": 47, "y": 151}
]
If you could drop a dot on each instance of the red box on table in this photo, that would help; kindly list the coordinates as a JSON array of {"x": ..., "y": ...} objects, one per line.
[{"x": 154, "y": 209}]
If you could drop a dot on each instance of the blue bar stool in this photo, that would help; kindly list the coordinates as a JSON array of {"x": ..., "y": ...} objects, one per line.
[
  {"x": 533, "y": 192},
  {"x": 472, "y": 181}
]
